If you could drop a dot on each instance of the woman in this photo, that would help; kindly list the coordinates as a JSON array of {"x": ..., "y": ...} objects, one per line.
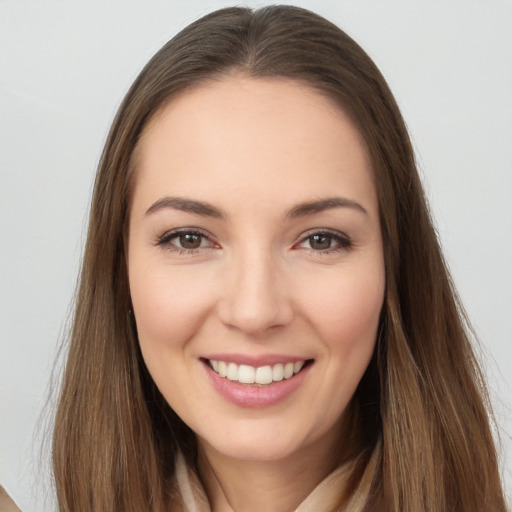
[{"x": 264, "y": 319}]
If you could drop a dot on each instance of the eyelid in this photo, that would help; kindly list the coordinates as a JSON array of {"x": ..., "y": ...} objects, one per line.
[
  {"x": 345, "y": 242},
  {"x": 164, "y": 240}
]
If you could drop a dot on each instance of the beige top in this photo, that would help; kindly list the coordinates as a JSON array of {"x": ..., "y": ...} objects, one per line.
[
  {"x": 323, "y": 498},
  {"x": 6, "y": 502}
]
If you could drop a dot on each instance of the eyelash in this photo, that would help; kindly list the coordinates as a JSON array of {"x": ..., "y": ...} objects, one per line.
[
  {"x": 165, "y": 241},
  {"x": 343, "y": 242}
]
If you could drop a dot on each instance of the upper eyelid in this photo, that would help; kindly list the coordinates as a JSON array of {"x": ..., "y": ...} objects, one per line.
[
  {"x": 174, "y": 233},
  {"x": 345, "y": 242},
  {"x": 323, "y": 231},
  {"x": 179, "y": 231}
]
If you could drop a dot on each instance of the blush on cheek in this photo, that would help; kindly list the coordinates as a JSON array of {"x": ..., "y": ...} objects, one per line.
[
  {"x": 167, "y": 310},
  {"x": 352, "y": 314}
]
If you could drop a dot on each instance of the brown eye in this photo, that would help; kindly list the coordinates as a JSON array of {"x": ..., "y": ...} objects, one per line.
[
  {"x": 320, "y": 242},
  {"x": 190, "y": 241},
  {"x": 325, "y": 242},
  {"x": 184, "y": 241}
]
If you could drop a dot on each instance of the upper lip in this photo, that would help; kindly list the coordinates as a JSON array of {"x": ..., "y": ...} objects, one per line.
[{"x": 255, "y": 361}]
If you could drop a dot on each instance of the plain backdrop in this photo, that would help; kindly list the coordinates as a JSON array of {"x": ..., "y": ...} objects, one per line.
[{"x": 64, "y": 68}]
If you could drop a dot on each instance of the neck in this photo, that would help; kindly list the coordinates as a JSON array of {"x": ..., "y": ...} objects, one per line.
[{"x": 238, "y": 485}]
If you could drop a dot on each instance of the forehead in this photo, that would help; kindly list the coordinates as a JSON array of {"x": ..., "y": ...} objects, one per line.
[{"x": 276, "y": 137}]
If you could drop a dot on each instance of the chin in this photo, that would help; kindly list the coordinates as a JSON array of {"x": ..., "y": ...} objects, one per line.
[
  {"x": 258, "y": 443},
  {"x": 252, "y": 450}
]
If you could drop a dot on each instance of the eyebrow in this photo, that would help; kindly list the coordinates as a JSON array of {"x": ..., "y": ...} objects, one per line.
[
  {"x": 312, "y": 207},
  {"x": 208, "y": 210},
  {"x": 186, "y": 205}
]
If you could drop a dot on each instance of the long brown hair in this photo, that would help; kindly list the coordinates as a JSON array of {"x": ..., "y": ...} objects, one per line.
[{"x": 422, "y": 408}]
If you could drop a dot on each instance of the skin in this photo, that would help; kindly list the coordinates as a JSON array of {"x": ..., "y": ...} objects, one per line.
[{"x": 258, "y": 283}]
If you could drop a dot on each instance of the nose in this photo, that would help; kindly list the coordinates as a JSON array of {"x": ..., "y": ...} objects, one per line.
[{"x": 255, "y": 297}]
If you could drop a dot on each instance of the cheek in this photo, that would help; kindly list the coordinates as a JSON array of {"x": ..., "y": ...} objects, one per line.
[
  {"x": 168, "y": 306},
  {"x": 346, "y": 307}
]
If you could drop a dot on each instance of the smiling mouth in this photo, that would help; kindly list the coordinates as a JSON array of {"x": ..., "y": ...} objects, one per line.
[{"x": 257, "y": 376}]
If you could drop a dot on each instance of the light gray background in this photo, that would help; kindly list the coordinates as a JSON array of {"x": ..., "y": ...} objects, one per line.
[{"x": 64, "y": 67}]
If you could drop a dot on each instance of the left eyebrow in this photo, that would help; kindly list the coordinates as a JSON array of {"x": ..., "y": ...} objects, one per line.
[
  {"x": 186, "y": 205},
  {"x": 311, "y": 207}
]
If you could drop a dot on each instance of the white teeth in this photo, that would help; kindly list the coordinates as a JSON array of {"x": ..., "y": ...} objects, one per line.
[
  {"x": 246, "y": 374},
  {"x": 232, "y": 373},
  {"x": 278, "y": 372},
  {"x": 298, "y": 366},
  {"x": 262, "y": 375},
  {"x": 288, "y": 370}
]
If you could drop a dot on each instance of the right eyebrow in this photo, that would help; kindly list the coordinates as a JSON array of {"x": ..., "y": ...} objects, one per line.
[
  {"x": 186, "y": 205},
  {"x": 312, "y": 207}
]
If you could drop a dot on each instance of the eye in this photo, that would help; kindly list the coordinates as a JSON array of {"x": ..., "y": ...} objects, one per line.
[
  {"x": 189, "y": 240},
  {"x": 185, "y": 241},
  {"x": 326, "y": 241},
  {"x": 320, "y": 242}
]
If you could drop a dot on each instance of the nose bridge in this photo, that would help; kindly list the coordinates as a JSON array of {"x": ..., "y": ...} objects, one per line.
[{"x": 256, "y": 296}]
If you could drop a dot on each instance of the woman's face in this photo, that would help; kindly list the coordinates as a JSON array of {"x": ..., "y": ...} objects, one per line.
[{"x": 255, "y": 264}]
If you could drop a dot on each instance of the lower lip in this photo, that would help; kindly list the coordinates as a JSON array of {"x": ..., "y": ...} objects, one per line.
[{"x": 245, "y": 395}]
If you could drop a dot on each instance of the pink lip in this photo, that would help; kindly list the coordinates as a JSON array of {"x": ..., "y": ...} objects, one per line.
[
  {"x": 256, "y": 361},
  {"x": 245, "y": 395}
]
